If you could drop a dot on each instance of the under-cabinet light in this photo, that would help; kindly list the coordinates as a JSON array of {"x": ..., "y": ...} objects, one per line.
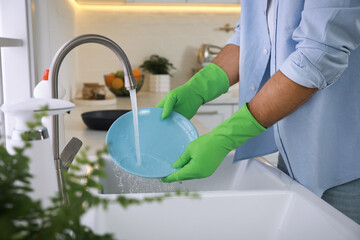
[{"x": 163, "y": 8}]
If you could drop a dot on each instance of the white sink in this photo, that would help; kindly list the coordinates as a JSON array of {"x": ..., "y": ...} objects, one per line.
[
  {"x": 244, "y": 175},
  {"x": 246, "y": 200}
]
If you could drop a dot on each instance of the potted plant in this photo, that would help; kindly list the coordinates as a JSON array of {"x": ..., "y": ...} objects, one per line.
[
  {"x": 22, "y": 217},
  {"x": 159, "y": 69}
]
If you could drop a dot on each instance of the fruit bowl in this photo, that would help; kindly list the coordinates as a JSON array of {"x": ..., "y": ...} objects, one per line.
[{"x": 115, "y": 82}]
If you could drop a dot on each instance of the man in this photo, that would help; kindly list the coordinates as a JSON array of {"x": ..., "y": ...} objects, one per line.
[{"x": 309, "y": 109}]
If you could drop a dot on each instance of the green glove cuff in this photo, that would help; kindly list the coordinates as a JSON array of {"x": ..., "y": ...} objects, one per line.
[
  {"x": 209, "y": 83},
  {"x": 237, "y": 129}
]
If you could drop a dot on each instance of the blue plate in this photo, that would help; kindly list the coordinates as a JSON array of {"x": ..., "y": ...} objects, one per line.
[{"x": 161, "y": 142}]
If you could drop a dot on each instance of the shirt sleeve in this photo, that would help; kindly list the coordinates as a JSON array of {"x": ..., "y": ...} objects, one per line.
[
  {"x": 327, "y": 33},
  {"x": 235, "y": 38}
]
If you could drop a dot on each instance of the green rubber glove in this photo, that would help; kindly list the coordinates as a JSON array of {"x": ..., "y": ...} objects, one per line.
[
  {"x": 206, "y": 85},
  {"x": 203, "y": 155}
]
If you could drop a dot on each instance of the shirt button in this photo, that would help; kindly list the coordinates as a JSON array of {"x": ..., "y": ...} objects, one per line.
[
  {"x": 265, "y": 51},
  {"x": 263, "y": 12},
  {"x": 253, "y": 88}
]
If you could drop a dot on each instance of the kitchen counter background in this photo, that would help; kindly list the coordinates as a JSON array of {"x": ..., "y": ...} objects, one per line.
[
  {"x": 95, "y": 140},
  {"x": 75, "y": 127}
]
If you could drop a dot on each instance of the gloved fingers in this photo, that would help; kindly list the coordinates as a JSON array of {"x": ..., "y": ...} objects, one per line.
[
  {"x": 180, "y": 163},
  {"x": 168, "y": 106},
  {"x": 178, "y": 175},
  {"x": 183, "y": 160},
  {"x": 171, "y": 178}
]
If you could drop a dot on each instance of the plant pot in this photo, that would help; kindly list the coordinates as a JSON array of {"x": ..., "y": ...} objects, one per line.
[{"x": 159, "y": 83}]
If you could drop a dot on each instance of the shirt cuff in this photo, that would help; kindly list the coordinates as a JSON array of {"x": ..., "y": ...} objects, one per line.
[
  {"x": 235, "y": 38},
  {"x": 300, "y": 70}
]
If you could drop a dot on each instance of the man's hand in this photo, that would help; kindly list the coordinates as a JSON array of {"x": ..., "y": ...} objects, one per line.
[
  {"x": 209, "y": 83},
  {"x": 182, "y": 100},
  {"x": 203, "y": 155},
  {"x": 200, "y": 159}
]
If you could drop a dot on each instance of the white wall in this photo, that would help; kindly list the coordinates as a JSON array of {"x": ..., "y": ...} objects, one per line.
[
  {"x": 176, "y": 36},
  {"x": 53, "y": 25}
]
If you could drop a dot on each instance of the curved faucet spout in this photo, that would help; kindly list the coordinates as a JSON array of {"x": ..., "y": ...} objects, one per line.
[{"x": 130, "y": 84}]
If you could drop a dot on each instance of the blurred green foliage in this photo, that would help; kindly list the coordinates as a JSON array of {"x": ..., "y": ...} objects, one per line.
[
  {"x": 22, "y": 217},
  {"x": 157, "y": 65}
]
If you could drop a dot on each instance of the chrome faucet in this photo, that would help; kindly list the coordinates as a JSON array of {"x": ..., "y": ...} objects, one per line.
[{"x": 130, "y": 84}]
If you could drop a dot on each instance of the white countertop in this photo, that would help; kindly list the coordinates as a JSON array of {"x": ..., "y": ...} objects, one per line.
[{"x": 75, "y": 127}]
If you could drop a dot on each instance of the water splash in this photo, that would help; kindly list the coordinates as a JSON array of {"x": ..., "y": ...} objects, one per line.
[{"x": 128, "y": 183}]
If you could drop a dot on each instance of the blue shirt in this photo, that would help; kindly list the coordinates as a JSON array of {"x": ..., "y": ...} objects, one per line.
[{"x": 315, "y": 44}]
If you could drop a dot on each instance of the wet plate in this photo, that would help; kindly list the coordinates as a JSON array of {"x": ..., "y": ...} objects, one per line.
[{"x": 161, "y": 142}]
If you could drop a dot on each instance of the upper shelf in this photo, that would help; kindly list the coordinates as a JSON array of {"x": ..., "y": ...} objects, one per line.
[{"x": 10, "y": 42}]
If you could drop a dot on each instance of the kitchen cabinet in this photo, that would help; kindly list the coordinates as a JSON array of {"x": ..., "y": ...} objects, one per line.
[
  {"x": 218, "y": 110},
  {"x": 211, "y": 115}
]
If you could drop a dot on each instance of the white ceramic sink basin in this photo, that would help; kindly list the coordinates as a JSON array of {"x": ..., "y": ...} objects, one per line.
[
  {"x": 244, "y": 175},
  {"x": 246, "y": 200}
]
